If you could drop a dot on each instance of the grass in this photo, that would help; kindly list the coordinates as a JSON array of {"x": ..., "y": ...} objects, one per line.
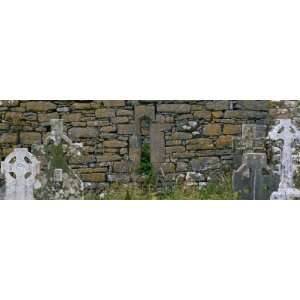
[{"x": 221, "y": 190}]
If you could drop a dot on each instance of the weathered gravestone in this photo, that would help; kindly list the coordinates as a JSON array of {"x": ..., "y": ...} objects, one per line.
[
  {"x": 286, "y": 136},
  {"x": 58, "y": 180},
  {"x": 20, "y": 169},
  {"x": 253, "y": 140},
  {"x": 254, "y": 179}
]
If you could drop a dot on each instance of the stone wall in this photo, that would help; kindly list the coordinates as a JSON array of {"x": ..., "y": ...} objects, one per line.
[{"x": 184, "y": 136}]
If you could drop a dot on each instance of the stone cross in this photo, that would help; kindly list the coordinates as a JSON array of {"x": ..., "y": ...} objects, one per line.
[
  {"x": 254, "y": 179},
  {"x": 57, "y": 135},
  {"x": 20, "y": 169},
  {"x": 288, "y": 134}
]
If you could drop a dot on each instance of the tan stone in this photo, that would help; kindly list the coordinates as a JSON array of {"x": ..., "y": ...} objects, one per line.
[
  {"x": 13, "y": 116},
  {"x": 224, "y": 141},
  {"x": 94, "y": 177},
  {"x": 47, "y": 117},
  {"x": 232, "y": 129},
  {"x": 91, "y": 170},
  {"x": 104, "y": 113},
  {"x": 8, "y": 138},
  {"x": 113, "y": 103},
  {"x": 175, "y": 149},
  {"x": 212, "y": 129},
  {"x": 181, "y": 136},
  {"x": 120, "y": 120},
  {"x": 217, "y": 114},
  {"x": 108, "y": 157},
  {"x": 81, "y": 105},
  {"x": 125, "y": 129},
  {"x": 39, "y": 106},
  {"x": 175, "y": 108},
  {"x": 74, "y": 117},
  {"x": 29, "y": 138},
  {"x": 83, "y": 132},
  {"x": 108, "y": 129},
  {"x": 114, "y": 144},
  {"x": 124, "y": 112},
  {"x": 206, "y": 115},
  {"x": 200, "y": 143}
]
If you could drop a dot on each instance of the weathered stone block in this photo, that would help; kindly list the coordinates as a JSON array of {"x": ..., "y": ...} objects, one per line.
[
  {"x": 200, "y": 143},
  {"x": 182, "y": 166},
  {"x": 125, "y": 129},
  {"x": 124, "y": 112},
  {"x": 232, "y": 129},
  {"x": 47, "y": 117},
  {"x": 114, "y": 103},
  {"x": 120, "y": 167},
  {"x": 114, "y": 144},
  {"x": 81, "y": 105},
  {"x": 108, "y": 157},
  {"x": 181, "y": 136},
  {"x": 74, "y": 117},
  {"x": 224, "y": 141},
  {"x": 173, "y": 149},
  {"x": 94, "y": 177},
  {"x": 174, "y": 108},
  {"x": 108, "y": 129},
  {"x": 206, "y": 115},
  {"x": 39, "y": 106},
  {"x": 104, "y": 113},
  {"x": 8, "y": 138},
  {"x": 217, "y": 114},
  {"x": 218, "y": 105},
  {"x": 212, "y": 129},
  {"x": 29, "y": 138},
  {"x": 120, "y": 120},
  {"x": 83, "y": 132}
]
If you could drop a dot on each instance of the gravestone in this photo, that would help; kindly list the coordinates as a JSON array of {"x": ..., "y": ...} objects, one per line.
[
  {"x": 287, "y": 136},
  {"x": 253, "y": 140},
  {"x": 20, "y": 169},
  {"x": 254, "y": 179},
  {"x": 58, "y": 179}
]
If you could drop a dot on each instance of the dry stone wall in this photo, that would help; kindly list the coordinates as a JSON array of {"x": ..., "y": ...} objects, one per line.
[{"x": 184, "y": 136}]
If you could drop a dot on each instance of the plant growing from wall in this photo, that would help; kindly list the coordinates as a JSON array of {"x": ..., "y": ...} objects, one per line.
[{"x": 146, "y": 168}]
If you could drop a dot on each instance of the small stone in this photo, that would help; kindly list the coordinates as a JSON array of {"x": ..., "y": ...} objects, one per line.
[
  {"x": 224, "y": 141},
  {"x": 83, "y": 132}
]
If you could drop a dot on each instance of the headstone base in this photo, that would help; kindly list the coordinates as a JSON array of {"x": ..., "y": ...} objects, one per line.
[{"x": 286, "y": 194}]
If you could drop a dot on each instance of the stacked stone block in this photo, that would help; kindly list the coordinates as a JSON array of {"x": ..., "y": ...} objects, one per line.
[{"x": 197, "y": 135}]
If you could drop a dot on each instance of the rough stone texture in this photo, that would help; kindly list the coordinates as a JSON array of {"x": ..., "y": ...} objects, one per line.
[
  {"x": 29, "y": 138},
  {"x": 180, "y": 132}
]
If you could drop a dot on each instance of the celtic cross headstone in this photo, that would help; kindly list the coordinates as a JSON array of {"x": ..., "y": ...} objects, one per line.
[
  {"x": 20, "y": 169},
  {"x": 59, "y": 181},
  {"x": 288, "y": 136}
]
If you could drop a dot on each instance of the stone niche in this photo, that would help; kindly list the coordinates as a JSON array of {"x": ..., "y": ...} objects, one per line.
[{"x": 147, "y": 130}]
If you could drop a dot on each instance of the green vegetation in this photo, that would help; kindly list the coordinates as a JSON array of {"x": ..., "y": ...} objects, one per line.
[
  {"x": 146, "y": 170},
  {"x": 221, "y": 190}
]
